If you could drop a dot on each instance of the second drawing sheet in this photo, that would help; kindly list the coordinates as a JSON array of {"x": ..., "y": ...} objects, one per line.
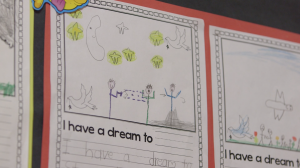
[
  {"x": 126, "y": 88},
  {"x": 255, "y": 81}
]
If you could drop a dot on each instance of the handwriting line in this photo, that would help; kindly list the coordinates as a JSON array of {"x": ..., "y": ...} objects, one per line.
[
  {"x": 173, "y": 147},
  {"x": 128, "y": 147},
  {"x": 174, "y": 134}
]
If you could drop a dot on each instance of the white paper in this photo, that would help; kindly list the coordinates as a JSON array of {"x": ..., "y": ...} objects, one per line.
[
  {"x": 14, "y": 83},
  {"x": 98, "y": 84},
  {"x": 255, "y": 81}
]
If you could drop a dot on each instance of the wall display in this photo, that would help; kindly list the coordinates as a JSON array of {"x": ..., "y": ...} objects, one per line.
[
  {"x": 255, "y": 100},
  {"x": 127, "y": 88},
  {"x": 15, "y": 22}
]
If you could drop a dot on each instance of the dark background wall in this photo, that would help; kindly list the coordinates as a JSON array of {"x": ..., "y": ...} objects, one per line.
[{"x": 281, "y": 14}]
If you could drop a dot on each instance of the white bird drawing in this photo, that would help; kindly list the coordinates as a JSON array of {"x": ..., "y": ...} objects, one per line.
[
  {"x": 179, "y": 41},
  {"x": 83, "y": 101},
  {"x": 278, "y": 105}
]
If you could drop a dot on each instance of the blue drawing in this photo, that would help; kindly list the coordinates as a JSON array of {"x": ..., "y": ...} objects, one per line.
[
  {"x": 242, "y": 130},
  {"x": 172, "y": 88}
]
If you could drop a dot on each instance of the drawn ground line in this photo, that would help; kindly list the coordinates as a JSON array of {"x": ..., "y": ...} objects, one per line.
[
  {"x": 174, "y": 140},
  {"x": 125, "y": 147},
  {"x": 174, "y": 134},
  {"x": 173, "y": 147},
  {"x": 90, "y": 164},
  {"x": 66, "y": 153}
]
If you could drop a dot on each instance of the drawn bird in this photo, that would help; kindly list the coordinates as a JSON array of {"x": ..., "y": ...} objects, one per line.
[
  {"x": 279, "y": 105},
  {"x": 179, "y": 41},
  {"x": 243, "y": 129},
  {"x": 83, "y": 101}
]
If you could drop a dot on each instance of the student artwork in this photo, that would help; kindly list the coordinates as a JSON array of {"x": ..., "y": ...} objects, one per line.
[
  {"x": 7, "y": 22},
  {"x": 83, "y": 101},
  {"x": 148, "y": 91},
  {"x": 95, "y": 49},
  {"x": 122, "y": 28},
  {"x": 242, "y": 130},
  {"x": 179, "y": 41},
  {"x": 111, "y": 86},
  {"x": 156, "y": 38},
  {"x": 107, "y": 51},
  {"x": 278, "y": 105},
  {"x": 75, "y": 31},
  {"x": 61, "y": 6}
]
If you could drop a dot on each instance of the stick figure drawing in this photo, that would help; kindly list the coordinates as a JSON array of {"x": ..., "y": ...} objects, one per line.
[{"x": 148, "y": 91}]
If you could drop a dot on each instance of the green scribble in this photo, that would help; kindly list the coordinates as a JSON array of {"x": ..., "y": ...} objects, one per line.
[
  {"x": 156, "y": 38},
  {"x": 76, "y": 15},
  {"x": 265, "y": 145},
  {"x": 157, "y": 61},
  {"x": 74, "y": 31},
  {"x": 255, "y": 140},
  {"x": 114, "y": 57},
  {"x": 129, "y": 55},
  {"x": 7, "y": 89}
]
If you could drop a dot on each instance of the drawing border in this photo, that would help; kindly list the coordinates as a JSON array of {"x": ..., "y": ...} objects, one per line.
[
  {"x": 192, "y": 23},
  {"x": 14, "y": 48},
  {"x": 20, "y": 79},
  {"x": 251, "y": 39}
]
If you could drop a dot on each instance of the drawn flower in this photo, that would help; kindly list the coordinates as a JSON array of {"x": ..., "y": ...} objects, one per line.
[
  {"x": 114, "y": 57},
  {"x": 277, "y": 138},
  {"x": 74, "y": 31},
  {"x": 76, "y": 15},
  {"x": 111, "y": 84},
  {"x": 294, "y": 139},
  {"x": 255, "y": 133},
  {"x": 157, "y": 61},
  {"x": 156, "y": 38},
  {"x": 129, "y": 55}
]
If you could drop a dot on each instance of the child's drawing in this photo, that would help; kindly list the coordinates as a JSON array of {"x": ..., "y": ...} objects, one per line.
[
  {"x": 7, "y": 21},
  {"x": 148, "y": 91},
  {"x": 156, "y": 38},
  {"x": 129, "y": 55},
  {"x": 83, "y": 101},
  {"x": 76, "y": 15},
  {"x": 95, "y": 49},
  {"x": 157, "y": 61},
  {"x": 122, "y": 28},
  {"x": 278, "y": 105},
  {"x": 172, "y": 89},
  {"x": 254, "y": 73},
  {"x": 75, "y": 31},
  {"x": 111, "y": 86},
  {"x": 133, "y": 55},
  {"x": 114, "y": 57},
  {"x": 179, "y": 41},
  {"x": 242, "y": 130}
]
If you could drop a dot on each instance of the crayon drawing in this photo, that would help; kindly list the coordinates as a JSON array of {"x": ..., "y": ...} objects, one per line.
[
  {"x": 125, "y": 58},
  {"x": 261, "y": 86}
]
